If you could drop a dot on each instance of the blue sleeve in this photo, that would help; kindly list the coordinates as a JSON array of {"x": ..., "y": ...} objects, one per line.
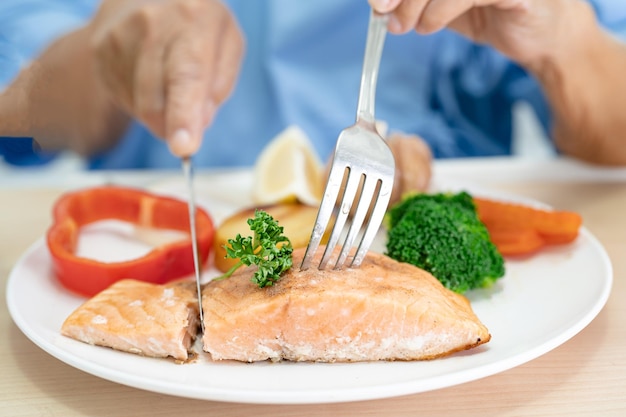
[
  {"x": 27, "y": 27},
  {"x": 21, "y": 152}
]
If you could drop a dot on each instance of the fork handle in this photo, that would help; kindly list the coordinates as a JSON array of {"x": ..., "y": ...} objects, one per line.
[{"x": 373, "y": 50}]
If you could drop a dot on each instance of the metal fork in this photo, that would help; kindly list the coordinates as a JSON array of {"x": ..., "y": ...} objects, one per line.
[{"x": 364, "y": 162}]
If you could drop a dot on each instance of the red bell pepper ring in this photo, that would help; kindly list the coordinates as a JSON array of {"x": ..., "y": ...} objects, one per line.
[{"x": 162, "y": 264}]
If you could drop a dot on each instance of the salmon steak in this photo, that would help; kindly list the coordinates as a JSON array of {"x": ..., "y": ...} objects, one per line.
[
  {"x": 382, "y": 310},
  {"x": 139, "y": 317}
]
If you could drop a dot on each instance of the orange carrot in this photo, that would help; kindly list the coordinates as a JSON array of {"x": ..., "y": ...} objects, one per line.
[
  {"x": 516, "y": 242},
  {"x": 511, "y": 219}
]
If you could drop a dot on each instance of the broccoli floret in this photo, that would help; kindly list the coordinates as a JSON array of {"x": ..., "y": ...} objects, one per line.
[{"x": 442, "y": 234}]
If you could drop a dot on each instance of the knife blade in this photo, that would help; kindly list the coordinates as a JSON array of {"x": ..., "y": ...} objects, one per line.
[{"x": 191, "y": 202}]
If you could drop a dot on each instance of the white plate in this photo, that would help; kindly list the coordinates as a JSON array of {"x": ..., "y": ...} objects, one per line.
[{"x": 540, "y": 304}]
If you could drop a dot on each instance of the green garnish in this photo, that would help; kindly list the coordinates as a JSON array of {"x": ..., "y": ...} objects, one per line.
[{"x": 269, "y": 249}]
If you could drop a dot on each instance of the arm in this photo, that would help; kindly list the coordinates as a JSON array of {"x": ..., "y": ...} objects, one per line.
[
  {"x": 59, "y": 101},
  {"x": 584, "y": 81},
  {"x": 41, "y": 101},
  {"x": 579, "y": 65}
]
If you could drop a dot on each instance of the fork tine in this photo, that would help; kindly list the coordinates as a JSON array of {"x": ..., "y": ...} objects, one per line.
[
  {"x": 345, "y": 206},
  {"x": 363, "y": 206},
  {"x": 376, "y": 218},
  {"x": 335, "y": 178}
]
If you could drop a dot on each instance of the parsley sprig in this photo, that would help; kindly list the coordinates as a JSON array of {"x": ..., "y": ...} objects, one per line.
[{"x": 268, "y": 248}]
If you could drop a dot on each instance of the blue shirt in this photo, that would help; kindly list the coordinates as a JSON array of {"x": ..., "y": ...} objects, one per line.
[{"x": 302, "y": 66}]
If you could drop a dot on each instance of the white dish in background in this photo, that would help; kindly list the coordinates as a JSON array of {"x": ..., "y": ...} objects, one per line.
[{"x": 541, "y": 303}]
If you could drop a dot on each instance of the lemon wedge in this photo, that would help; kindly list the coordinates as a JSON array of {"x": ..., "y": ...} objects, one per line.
[{"x": 288, "y": 170}]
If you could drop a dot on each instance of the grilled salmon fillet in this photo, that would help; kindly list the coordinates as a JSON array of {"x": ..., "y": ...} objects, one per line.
[
  {"x": 383, "y": 310},
  {"x": 139, "y": 317}
]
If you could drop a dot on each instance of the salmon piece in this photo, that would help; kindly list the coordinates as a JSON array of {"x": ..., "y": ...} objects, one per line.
[
  {"x": 383, "y": 310},
  {"x": 139, "y": 317}
]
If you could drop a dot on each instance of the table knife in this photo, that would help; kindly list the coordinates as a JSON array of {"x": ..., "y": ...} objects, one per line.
[{"x": 191, "y": 202}]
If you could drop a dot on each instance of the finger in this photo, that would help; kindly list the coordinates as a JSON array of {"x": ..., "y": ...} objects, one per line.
[
  {"x": 188, "y": 74},
  {"x": 406, "y": 16},
  {"x": 413, "y": 164},
  {"x": 110, "y": 69},
  {"x": 439, "y": 14},
  {"x": 228, "y": 61},
  {"x": 384, "y": 6},
  {"x": 148, "y": 82},
  {"x": 149, "y": 89}
]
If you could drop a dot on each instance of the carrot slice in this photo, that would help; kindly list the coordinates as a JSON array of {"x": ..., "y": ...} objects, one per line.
[
  {"x": 515, "y": 242},
  {"x": 509, "y": 221}
]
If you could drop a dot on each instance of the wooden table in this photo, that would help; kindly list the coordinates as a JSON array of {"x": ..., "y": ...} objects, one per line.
[{"x": 586, "y": 376}]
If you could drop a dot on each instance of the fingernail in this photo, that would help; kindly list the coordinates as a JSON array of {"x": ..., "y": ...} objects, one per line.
[{"x": 181, "y": 143}]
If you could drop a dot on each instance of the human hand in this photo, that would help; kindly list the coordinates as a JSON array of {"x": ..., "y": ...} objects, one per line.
[
  {"x": 524, "y": 30},
  {"x": 414, "y": 161},
  {"x": 169, "y": 63}
]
